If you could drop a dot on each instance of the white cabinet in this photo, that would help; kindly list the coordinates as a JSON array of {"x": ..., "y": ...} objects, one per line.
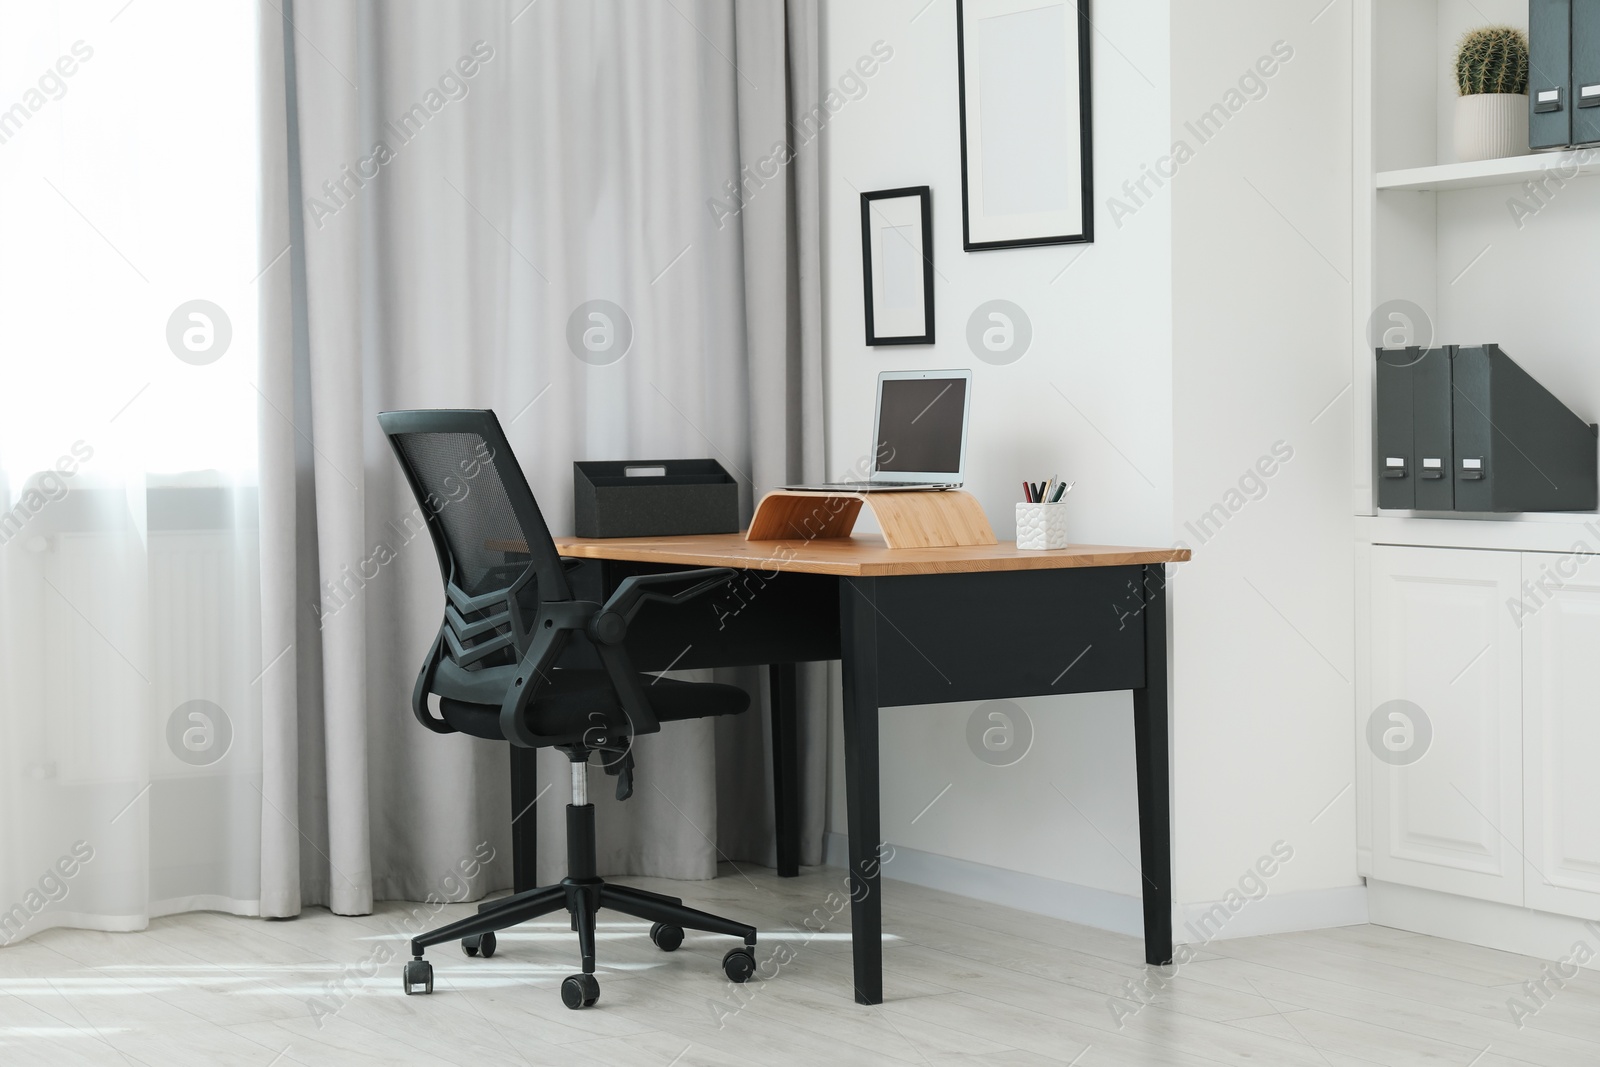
[
  {"x": 1561, "y": 731},
  {"x": 1446, "y": 781}
]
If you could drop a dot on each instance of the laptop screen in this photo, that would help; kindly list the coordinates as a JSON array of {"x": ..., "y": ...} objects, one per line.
[{"x": 919, "y": 424}]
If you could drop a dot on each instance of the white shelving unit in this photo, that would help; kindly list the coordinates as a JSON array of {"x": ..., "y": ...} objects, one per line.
[
  {"x": 1492, "y": 251},
  {"x": 1495, "y": 251}
]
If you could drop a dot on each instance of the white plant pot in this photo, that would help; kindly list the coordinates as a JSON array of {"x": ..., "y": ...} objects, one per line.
[
  {"x": 1491, "y": 126},
  {"x": 1042, "y": 526}
]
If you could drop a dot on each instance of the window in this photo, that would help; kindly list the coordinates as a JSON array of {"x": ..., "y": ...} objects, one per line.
[{"x": 129, "y": 171}]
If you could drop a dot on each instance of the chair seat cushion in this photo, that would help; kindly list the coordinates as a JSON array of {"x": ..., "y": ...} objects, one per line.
[{"x": 567, "y": 705}]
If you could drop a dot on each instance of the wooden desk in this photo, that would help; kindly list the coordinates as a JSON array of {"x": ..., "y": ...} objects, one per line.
[
  {"x": 855, "y": 557},
  {"x": 910, "y": 626}
]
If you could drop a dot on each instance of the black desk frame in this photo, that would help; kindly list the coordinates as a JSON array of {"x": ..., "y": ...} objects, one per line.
[{"x": 914, "y": 639}]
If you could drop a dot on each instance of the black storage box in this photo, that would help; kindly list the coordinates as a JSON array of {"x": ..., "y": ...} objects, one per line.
[
  {"x": 1563, "y": 73},
  {"x": 1463, "y": 428},
  {"x": 653, "y": 498}
]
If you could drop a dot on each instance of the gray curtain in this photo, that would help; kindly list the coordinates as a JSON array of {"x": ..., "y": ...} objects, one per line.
[{"x": 455, "y": 185}]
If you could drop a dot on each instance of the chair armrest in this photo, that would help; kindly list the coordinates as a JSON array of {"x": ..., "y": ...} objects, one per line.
[
  {"x": 606, "y": 627},
  {"x": 555, "y": 623},
  {"x": 424, "y": 686},
  {"x": 610, "y": 625}
]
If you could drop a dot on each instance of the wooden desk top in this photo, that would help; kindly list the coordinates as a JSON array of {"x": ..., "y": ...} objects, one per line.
[{"x": 865, "y": 556}]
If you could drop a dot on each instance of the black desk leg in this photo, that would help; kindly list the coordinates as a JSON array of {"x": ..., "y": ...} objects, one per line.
[
  {"x": 1150, "y": 746},
  {"x": 524, "y": 831},
  {"x": 858, "y": 633},
  {"x": 786, "y": 765}
]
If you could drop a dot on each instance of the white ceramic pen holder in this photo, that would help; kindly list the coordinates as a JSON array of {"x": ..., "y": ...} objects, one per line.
[{"x": 1042, "y": 526}]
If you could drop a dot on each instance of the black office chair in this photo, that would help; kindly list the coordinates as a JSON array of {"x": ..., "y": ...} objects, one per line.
[{"x": 509, "y": 618}]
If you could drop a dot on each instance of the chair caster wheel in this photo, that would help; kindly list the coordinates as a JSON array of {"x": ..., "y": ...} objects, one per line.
[
  {"x": 580, "y": 991},
  {"x": 739, "y": 964},
  {"x": 418, "y": 973},
  {"x": 479, "y": 945},
  {"x": 666, "y": 937}
]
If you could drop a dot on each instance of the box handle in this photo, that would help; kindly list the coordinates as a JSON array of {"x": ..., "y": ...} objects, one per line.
[{"x": 656, "y": 471}]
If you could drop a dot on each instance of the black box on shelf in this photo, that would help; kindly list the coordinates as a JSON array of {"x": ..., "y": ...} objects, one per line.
[
  {"x": 1585, "y": 74},
  {"x": 653, "y": 498},
  {"x": 1414, "y": 429},
  {"x": 1393, "y": 448},
  {"x": 1549, "y": 73},
  {"x": 1563, "y": 73},
  {"x": 1517, "y": 447},
  {"x": 1461, "y": 428}
]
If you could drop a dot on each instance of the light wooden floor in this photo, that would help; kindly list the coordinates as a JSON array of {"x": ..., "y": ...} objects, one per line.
[{"x": 965, "y": 983}]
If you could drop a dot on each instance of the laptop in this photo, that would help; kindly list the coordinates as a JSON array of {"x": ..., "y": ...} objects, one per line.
[{"x": 920, "y": 433}]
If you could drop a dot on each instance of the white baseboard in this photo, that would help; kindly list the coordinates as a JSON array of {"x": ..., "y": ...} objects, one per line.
[
  {"x": 1275, "y": 913},
  {"x": 1103, "y": 909},
  {"x": 1506, "y": 927},
  {"x": 994, "y": 885}
]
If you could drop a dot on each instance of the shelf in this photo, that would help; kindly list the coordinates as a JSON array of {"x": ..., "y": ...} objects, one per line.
[
  {"x": 1549, "y": 532},
  {"x": 1486, "y": 172}
]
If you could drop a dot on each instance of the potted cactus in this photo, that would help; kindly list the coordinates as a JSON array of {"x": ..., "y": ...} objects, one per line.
[{"x": 1492, "y": 75}]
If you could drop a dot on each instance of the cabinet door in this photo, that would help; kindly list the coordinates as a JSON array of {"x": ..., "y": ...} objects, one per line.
[
  {"x": 1561, "y": 732},
  {"x": 1447, "y": 765}
]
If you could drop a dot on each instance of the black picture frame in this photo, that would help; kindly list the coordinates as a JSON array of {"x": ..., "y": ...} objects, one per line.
[
  {"x": 1085, "y": 233},
  {"x": 924, "y": 195}
]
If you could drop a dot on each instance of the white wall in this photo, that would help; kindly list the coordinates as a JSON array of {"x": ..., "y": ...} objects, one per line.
[
  {"x": 1264, "y": 614},
  {"x": 1204, "y": 325},
  {"x": 1102, "y": 335}
]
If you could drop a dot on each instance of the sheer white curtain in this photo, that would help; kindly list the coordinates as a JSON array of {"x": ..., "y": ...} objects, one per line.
[{"x": 130, "y": 754}]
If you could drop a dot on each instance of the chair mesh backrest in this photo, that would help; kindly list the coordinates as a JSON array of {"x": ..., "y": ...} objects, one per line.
[
  {"x": 494, "y": 548},
  {"x": 495, "y": 551},
  {"x": 462, "y": 486}
]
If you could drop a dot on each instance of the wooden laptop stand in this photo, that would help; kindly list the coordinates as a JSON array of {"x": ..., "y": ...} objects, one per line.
[{"x": 942, "y": 518}]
